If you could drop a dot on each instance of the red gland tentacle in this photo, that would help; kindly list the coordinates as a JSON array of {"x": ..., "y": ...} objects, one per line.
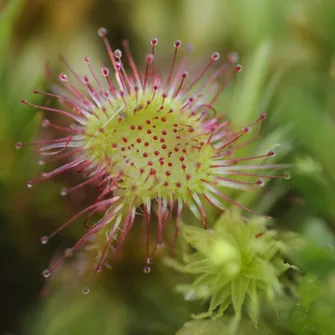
[
  {"x": 235, "y": 138},
  {"x": 84, "y": 211},
  {"x": 88, "y": 102},
  {"x": 109, "y": 240},
  {"x": 177, "y": 45},
  {"x": 238, "y": 181},
  {"x": 217, "y": 94},
  {"x": 244, "y": 174},
  {"x": 132, "y": 64},
  {"x": 180, "y": 206},
  {"x": 82, "y": 240},
  {"x": 102, "y": 32},
  {"x": 256, "y": 167},
  {"x": 58, "y": 111},
  {"x": 221, "y": 195},
  {"x": 67, "y": 100},
  {"x": 63, "y": 80},
  {"x": 202, "y": 73},
  {"x": 213, "y": 77},
  {"x": 91, "y": 180},
  {"x": 63, "y": 168},
  {"x": 44, "y": 151},
  {"x": 202, "y": 210},
  {"x": 228, "y": 162}
]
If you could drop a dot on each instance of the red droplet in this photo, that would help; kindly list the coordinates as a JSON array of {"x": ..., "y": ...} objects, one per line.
[
  {"x": 105, "y": 71},
  {"x": 215, "y": 56},
  {"x": 150, "y": 58},
  {"x": 238, "y": 68},
  {"x": 118, "y": 67},
  {"x": 102, "y": 32},
  {"x": 63, "y": 77},
  {"x": 118, "y": 53}
]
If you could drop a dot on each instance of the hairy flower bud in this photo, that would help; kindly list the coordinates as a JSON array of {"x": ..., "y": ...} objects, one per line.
[{"x": 235, "y": 264}]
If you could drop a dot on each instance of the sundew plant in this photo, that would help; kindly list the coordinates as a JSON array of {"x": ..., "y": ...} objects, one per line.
[
  {"x": 149, "y": 138},
  {"x": 153, "y": 174}
]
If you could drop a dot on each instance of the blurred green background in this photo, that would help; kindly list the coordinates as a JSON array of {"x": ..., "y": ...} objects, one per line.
[{"x": 287, "y": 48}]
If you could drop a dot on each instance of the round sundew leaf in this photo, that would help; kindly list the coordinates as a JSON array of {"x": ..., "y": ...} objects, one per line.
[{"x": 153, "y": 144}]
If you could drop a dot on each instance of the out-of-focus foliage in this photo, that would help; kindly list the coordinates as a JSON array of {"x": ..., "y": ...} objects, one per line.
[
  {"x": 315, "y": 312},
  {"x": 287, "y": 49},
  {"x": 221, "y": 327},
  {"x": 74, "y": 313}
]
